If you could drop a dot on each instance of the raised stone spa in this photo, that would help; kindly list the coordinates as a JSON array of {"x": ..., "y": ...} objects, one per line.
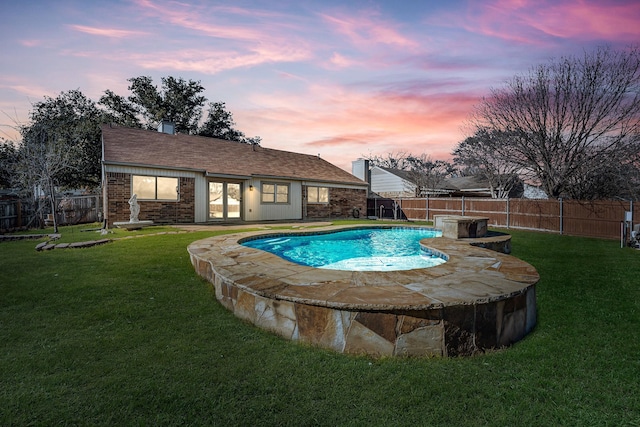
[{"x": 476, "y": 301}]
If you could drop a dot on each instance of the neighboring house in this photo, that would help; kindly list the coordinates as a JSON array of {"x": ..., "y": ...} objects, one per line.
[
  {"x": 391, "y": 183},
  {"x": 191, "y": 179},
  {"x": 470, "y": 186},
  {"x": 474, "y": 186},
  {"x": 397, "y": 183}
]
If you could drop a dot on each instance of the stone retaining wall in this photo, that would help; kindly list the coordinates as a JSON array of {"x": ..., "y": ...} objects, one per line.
[{"x": 478, "y": 300}]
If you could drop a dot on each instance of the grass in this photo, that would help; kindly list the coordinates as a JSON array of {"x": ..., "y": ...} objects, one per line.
[{"x": 126, "y": 333}]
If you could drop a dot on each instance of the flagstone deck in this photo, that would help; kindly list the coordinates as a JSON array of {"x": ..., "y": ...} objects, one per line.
[{"x": 478, "y": 300}]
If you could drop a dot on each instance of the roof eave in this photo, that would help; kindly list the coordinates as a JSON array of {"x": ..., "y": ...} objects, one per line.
[
  {"x": 148, "y": 166},
  {"x": 226, "y": 175},
  {"x": 292, "y": 178}
]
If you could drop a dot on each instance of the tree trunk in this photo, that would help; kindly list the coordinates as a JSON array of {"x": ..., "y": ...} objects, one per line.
[{"x": 52, "y": 198}]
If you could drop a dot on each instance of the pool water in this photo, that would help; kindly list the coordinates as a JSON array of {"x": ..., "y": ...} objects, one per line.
[{"x": 369, "y": 249}]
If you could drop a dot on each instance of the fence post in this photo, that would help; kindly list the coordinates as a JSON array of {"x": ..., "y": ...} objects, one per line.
[
  {"x": 19, "y": 213},
  {"x": 561, "y": 216},
  {"x": 426, "y": 205},
  {"x": 508, "y": 223}
]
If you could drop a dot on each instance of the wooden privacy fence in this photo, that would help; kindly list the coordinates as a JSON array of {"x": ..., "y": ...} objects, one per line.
[
  {"x": 79, "y": 210},
  {"x": 573, "y": 217},
  {"x": 14, "y": 214}
]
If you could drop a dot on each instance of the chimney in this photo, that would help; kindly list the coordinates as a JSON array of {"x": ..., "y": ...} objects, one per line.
[
  {"x": 166, "y": 126},
  {"x": 360, "y": 169}
]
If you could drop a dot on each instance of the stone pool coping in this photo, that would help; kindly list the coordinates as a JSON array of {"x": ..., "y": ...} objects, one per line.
[
  {"x": 478, "y": 300},
  {"x": 471, "y": 275}
]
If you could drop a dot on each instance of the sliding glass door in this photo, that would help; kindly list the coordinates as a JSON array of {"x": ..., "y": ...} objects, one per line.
[{"x": 225, "y": 200}]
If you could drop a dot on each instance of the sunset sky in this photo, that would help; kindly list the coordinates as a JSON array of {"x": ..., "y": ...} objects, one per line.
[{"x": 341, "y": 79}]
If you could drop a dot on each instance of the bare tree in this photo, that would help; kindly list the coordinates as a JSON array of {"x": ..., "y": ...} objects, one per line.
[
  {"x": 42, "y": 158},
  {"x": 392, "y": 160},
  {"x": 428, "y": 174},
  {"x": 488, "y": 154},
  {"x": 569, "y": 117}
]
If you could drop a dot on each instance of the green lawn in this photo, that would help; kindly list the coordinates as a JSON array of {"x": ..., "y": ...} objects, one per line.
[{"x": 127, "y": 334}]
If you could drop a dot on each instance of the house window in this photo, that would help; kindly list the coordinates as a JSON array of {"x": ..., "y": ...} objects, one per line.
[
  {"x": 275, "y": 193},
  {"x": 155, "y": 187},
  {"x": 317, "y": 195}
]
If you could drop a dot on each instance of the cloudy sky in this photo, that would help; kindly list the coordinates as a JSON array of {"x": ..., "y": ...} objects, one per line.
[{"x": 341, "y": 79}]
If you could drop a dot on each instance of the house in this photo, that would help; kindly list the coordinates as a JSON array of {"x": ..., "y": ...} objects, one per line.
[
  {"x": 397, "y": 183},
  {"x": 477, "y": 186},
  {"x": 191, "y": 179},
  {"x": 384, "y": 182}
]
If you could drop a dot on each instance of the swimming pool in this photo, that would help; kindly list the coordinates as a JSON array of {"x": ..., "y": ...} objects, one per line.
[
  {"x": 478, "y": 300},
  {"x": 363, "y": 249}
]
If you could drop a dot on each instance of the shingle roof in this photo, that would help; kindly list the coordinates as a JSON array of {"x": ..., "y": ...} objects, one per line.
[
  {"x": 466, "y": 183},
  {"x": 399, "y": 173},
  {"x": 130, "y": 146}
]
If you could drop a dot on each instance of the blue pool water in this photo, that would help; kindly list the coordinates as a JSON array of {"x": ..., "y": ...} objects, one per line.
[{"x": 368, "y": 249}]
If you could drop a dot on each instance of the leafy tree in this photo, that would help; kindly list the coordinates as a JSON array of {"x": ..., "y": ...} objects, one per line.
[
  {"x": 569, "y": 118},
  {"x": 488, "y": 154},
  {"x": 8, "y": 155},
  {"x": 178, "y": 100},
  {"x": 220, "y": 124},
  {"x": 119, "y": 110},
  {"x": 72, "y": 121}
]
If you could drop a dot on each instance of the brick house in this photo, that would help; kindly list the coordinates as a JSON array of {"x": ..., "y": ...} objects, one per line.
[{"x": 190, "y": 179}]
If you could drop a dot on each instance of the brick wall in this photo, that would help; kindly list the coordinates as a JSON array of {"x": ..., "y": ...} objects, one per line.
[
  {"x": 118, "y": 188},
  {"x": 341, "y": 204}
]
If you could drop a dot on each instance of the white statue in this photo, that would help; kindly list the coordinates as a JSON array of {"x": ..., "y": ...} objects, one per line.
[{"x": 134, "y": 207}]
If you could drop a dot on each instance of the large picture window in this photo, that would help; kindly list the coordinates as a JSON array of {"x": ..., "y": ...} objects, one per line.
[
  {"x": 317, "y": 195},
  {"x": 274, "y": 193},
  {"x": 155, "y": 187}
]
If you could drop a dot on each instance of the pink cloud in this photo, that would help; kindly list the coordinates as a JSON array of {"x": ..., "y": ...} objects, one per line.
[
  {"x": 526, "y": 21},
  {"x": 211, "y": 61},
  {"x": 107, "y": 32},
  {"x": 359, "y": 139},
  {"x": 590, "y": 20},
  {"x": 31, "y": 43},
  {"x": 290, "y": 76},
  {"x": 341, "y": 61},
  {"x": 367, "y": 29},
  {"x": 24, "y": 87}
]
